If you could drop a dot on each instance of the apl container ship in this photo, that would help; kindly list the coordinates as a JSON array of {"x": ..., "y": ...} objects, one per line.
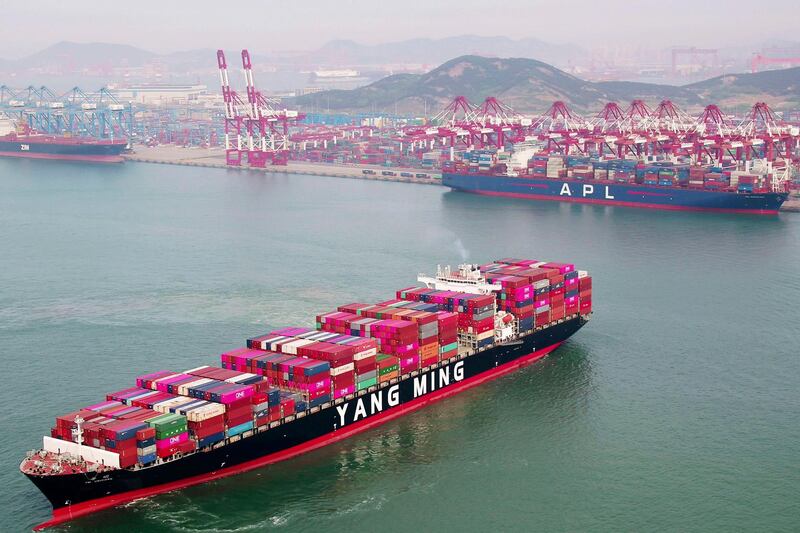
[
  {"x": 30, "y": 144},
  {"x": 622, "y": 183},
  {"x": 296, "y": 389}
]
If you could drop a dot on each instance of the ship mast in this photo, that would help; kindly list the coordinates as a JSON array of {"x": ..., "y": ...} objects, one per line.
[{"x": 78, "y": 433}]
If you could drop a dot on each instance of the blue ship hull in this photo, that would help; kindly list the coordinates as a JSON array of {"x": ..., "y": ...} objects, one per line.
[{"x": 622, "y": 194}]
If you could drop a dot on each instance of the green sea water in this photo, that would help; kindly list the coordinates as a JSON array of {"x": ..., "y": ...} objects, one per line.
[{"x": 677, "y": 408}]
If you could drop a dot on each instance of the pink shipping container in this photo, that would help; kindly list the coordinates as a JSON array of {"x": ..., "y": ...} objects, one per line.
[
  {"x": 172, "y": 441},
  {"x": 338, "y": 393}
]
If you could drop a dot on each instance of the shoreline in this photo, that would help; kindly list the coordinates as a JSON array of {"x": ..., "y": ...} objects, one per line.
[{"x": 215, "y": 158}]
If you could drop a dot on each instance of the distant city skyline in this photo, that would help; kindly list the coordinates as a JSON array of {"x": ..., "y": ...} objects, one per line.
[{"x": 165, "y": 27}]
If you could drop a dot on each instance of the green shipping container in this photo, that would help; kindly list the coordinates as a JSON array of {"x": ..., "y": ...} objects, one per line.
[
  {"x": 448, "y": 347},
  {"x": 388, "y": 369},
  {"x": 361, "y": 385},
  {"x": 165, "y": 434}
]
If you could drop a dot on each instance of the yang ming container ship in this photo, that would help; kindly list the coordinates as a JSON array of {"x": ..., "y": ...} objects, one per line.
[
  {"x": 296, "y": 389},
  {"x": 622, "y": 182},
  {"x": 26, "y": 143}
]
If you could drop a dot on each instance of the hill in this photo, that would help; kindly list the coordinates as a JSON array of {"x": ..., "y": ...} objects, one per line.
[
  {"x": 740, "y": 89},
  {"x": 529, "y": 86},
  {"x": 524, "y": 84},
  {"x": 87, "y": 54}
]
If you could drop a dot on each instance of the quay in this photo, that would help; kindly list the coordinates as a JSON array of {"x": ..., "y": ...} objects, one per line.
[{"x": 215, "y": 158}]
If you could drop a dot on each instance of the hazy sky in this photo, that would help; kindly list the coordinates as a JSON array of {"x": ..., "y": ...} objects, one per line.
[{"x": 170, "y": 25}]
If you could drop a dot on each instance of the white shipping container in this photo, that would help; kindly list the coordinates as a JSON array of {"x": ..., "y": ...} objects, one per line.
[
  {"x": 366, "y": 353},
  {"x": 88, "y": 453},
  {"x": 270, "y": 344},
  {"x": 183, "y": 390},
  {"x": 485, "y": 335},
  {"x": 243, "y": 377},
  {"x": 205, "y": 412},
  {"x": 199, "y": 368},
  {"x": 146, "y": 451},
  {"x": 326, "y": 336},
  {"x": 153, "y": 385},
  {"x": 166, "y": 405},
  {"x": 291, "y": 347},
  {"x": 349, "y": 367}
]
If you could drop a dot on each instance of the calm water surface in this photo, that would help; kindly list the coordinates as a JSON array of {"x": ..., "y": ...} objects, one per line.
[{"x": 676, "y": 409}]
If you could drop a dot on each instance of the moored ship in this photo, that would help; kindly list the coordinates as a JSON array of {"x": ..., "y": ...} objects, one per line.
[
  {"x": 296, "y": 389},
  {"x": 26, "y": 143},
  {"x": 628, "y": 183}
]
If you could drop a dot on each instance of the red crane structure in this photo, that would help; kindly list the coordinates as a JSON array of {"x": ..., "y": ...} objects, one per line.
[
  {"x": 500, "y": 121},
  {"x": 233, "y": 120},
  {"x": 255, "y": 127},
  {"x": 562, "y": 130},
  {"x": 257, "y": 133},
  {"x": 267, "y": 128},
  {"x": 456, "y": 125},
  {"x": 760, "y": 60}
]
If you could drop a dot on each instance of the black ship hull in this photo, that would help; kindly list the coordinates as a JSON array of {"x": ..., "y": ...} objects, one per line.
[
  {"x": 75, "y": 495},
  {"x": 36, "y": 147}
]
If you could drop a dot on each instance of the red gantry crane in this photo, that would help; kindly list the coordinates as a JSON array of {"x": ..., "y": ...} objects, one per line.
[
  {"x": 233, "y": 119},
  {"x": 255, "y": 128}
]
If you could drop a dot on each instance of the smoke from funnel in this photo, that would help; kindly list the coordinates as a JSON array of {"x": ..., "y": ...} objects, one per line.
[{"x": 461, "y": 250}]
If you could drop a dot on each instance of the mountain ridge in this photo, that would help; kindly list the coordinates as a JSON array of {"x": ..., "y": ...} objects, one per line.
[{"x": 528, "y": 85}]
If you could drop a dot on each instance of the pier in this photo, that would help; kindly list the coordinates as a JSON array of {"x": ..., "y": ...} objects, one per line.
[{"x": 215, "y": 158}]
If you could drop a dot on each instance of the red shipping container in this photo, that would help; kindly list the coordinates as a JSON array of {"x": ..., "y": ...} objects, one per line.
[
  {"x": 146, "y": 433},
  {"x": 127, "y": 461},
  {"x": 235, "y": 421},
  {"x": 205, "y": 431}
]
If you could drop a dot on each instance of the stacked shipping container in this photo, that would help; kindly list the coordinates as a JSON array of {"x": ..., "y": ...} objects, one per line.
[{"x": 290, "y": 370}]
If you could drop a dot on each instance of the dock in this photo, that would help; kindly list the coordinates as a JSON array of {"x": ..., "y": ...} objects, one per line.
[
  {"x": 792, "y": 204},
  {"x": 215, "y": 158}
]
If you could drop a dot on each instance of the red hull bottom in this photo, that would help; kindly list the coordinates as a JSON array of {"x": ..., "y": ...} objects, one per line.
[
  {"x": 621, "y": 203},
  {"x": 64, "y": 157},
  {"x": 65, "y": 514}
]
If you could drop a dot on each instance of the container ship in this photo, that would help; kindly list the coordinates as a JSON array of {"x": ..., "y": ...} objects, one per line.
[
  {"x": 295, "y": 389},
  {"x": 24, "y": 142},
  {"x": 622, "y": 182}
]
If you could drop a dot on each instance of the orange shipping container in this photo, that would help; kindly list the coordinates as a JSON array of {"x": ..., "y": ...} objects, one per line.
[{"x": 428, "y": 351}]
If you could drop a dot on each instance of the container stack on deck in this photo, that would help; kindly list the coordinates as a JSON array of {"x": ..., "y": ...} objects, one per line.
[
  {"x": 475, "y": 323},
  {"x": 658, "y": 171},
  {"x": 351, "y": 359},
  {"x": 290, "y": 370},
  {"x": 394, "y": 338},
  {"x": 663, "y": 173}
]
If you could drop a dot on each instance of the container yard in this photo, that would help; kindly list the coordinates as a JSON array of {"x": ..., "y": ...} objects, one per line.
[
  {"x": 291, "y": 389},
  {"x": 660, "y": 146},
  {"x": 663, "y": 148}
]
